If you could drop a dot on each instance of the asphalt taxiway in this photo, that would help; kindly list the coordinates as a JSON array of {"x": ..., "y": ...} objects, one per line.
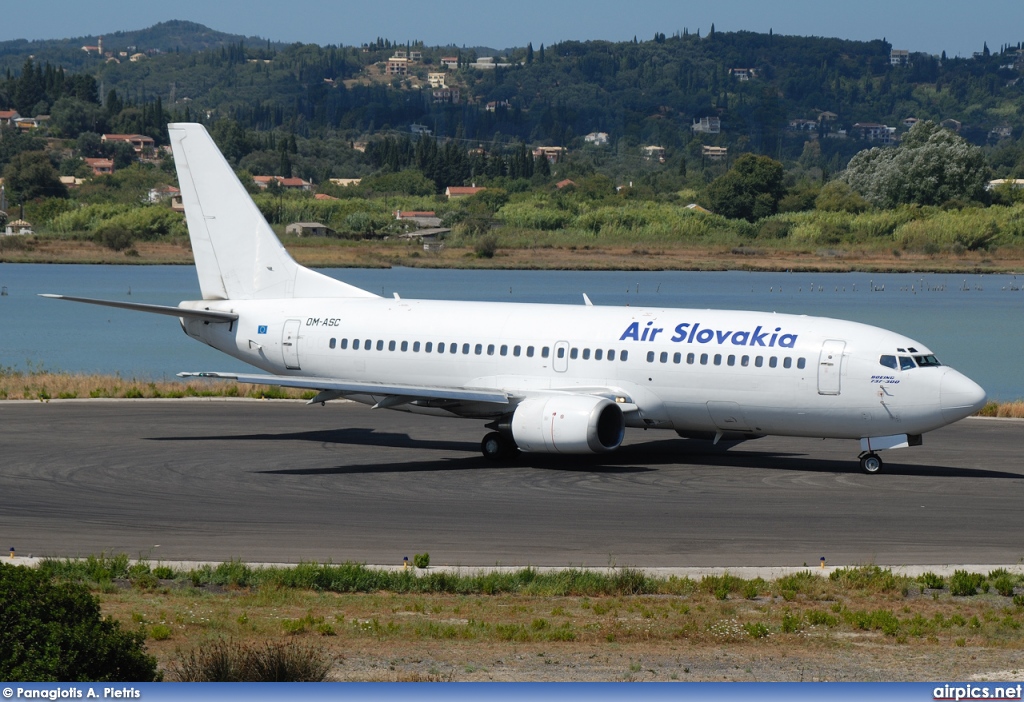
[{"x": 283, "y": 482}]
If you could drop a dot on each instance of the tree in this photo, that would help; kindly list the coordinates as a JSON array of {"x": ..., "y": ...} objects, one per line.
[
  {"x": 73, "y": 116},
  {"x": 30, "y": 175},
  {"x": 53, "y": 632},
  {"x": 750, "y": 190},
  {"x": 931, "y": 166}
]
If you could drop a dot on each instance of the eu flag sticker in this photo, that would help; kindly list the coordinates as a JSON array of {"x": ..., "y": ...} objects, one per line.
[{"x": 261, "y": 329}]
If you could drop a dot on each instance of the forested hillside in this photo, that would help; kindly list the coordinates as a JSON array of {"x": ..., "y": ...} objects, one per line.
[{"x": 751, "y": 126}]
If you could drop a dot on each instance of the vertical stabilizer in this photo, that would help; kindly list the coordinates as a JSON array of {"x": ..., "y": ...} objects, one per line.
[{"x": 237, "y": 254}]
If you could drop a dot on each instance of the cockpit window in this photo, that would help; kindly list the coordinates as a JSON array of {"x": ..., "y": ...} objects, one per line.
[
  {"x": 888, "y": 361},
  {"x": 925, "y": 361},
  {"x": 906, "y": 363}
]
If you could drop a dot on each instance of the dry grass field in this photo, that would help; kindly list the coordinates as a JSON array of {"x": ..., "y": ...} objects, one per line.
[
  {"x": 338, "y": 253},
  {"x": 861, "y": 623}
]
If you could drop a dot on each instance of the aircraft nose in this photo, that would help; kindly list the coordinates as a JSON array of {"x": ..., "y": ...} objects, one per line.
[{"x": 959, "y": 396}]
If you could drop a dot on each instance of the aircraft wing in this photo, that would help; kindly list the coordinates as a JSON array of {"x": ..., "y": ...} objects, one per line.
[{"x": 332, "y": 388}]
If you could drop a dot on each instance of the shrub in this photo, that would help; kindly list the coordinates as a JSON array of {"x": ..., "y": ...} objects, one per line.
[
  {"x": 160, "y": 632},
  {"x": 421, "y": 560},
  {"x": 486, "y": 247},
  {"x": 53, "y": 631},
  {"x": 932, "y": 581},
  {"x": 756, "y": 630},
  {"x": 964, "y": 584},
  {"x": 228, "y": 661},
  {"x": 114, "y": 237},
  {"x": 792, "y": 623},
  {"x": 1004, "y": 585}
]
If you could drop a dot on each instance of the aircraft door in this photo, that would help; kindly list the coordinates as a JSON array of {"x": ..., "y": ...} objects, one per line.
[
  {"x": 290, "y": 344},
  {"x": 561, "y": 360},
  {"x": 830, "y": 367}
]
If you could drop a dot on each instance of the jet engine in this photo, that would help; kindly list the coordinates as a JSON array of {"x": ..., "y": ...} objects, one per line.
[{"x": 568, "y": 424}]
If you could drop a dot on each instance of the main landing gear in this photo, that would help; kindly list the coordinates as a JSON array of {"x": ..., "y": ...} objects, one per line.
[
  {"x": 870, "y": 462},
  {"x": 496, "y": 447}
]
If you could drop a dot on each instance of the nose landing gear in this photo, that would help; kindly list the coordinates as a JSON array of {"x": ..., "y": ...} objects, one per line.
[{"x": 870, "y": 462}]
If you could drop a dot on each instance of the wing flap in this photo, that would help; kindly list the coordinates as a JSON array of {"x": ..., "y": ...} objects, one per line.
[{"x": 344, "y": 387}]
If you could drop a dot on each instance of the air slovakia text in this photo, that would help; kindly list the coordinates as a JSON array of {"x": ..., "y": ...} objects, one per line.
[{"x": 687, "y": 333}]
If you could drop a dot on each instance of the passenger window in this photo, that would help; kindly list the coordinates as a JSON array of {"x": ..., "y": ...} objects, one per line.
[
  {"x": 745, "y": 361},
  {"x": 586, "y": 354},
  {"x": 598, "y": 354},
  {"x": 333, "y": 343},
  {"x": 650, "y": 357},
  {"x": 545, "y": 352},
  {"x": 391, "y": 346},
  {"x": 801, "y": 363},
  {"x": 703, "y": 359},
  {"x": 516, "y": 350},
  {"x": 561, "y": 352},
  {"x": 574, "y": 354},
  {"x": 355, "y": 344},
  {"x": 690, "y": 358},
  {"x": 440, "y": 347},
  {"x": 478, "y": 349},
  {"x": 504, "y": 350},
  {"x": 344, "y": 344},
  {"x": 677, "y": 357},
  {"x": 380, "y": 344},
  {"x": 529, "y": 352},
  {"x": 454, "y": 348},
  {"x": 490, "y": 349},
  {"x": 888, "y": 361},
  {"x": 664, "y": 357},
  {"x": 405, "y": 346},
  {"x": 611, "y": 354},
  {"x": 906, "y": 363},
  {"x": 415, "y": 346},
  {"x": 623, "y": 356},
  {"x": 759, "y": 361},
  {"x": 718, "y": 359},
  {"x": 773, "y": 362},
  {"x": 787, "y": 362},
  {"x": 731, "y": 360},
  {"x": 465, "y": 349},
  {"x": 429, "y": 346}
]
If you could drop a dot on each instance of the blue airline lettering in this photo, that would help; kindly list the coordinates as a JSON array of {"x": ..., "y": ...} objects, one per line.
[{"x": 688, "y": 333}]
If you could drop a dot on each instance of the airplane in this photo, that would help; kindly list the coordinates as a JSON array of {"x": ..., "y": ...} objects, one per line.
[{"x": 546, "y": 378}]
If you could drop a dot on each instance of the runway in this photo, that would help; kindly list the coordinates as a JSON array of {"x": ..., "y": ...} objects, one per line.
[{"x": 283, "y": 482}]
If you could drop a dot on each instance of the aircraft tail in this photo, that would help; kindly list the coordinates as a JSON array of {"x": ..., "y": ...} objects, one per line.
[{"x": 237, "y": 254}]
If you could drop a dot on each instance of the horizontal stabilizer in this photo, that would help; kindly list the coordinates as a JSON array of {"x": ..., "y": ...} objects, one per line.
[
  {"x": 205, "y": 315},
  {"x": 413, "y": 392}
]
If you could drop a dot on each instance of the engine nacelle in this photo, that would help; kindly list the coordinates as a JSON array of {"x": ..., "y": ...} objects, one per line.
[{"x": 568, "y": 424}]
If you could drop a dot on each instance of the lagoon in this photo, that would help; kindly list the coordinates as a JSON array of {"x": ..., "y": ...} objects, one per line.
[{"x": 974, "y": 323}]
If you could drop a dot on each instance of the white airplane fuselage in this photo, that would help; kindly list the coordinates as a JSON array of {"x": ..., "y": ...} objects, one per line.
[
  {"x": 564, "y": 379},
  {"x": 691, "y": 371}
]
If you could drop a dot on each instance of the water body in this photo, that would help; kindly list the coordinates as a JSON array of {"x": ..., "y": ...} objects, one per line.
[{"x": 974, "y": 323}]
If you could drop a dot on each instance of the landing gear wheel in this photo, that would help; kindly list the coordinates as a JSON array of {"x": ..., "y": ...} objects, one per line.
[
  {"x": 870, "y": 463},
  {"x": 496, "y": 446}
]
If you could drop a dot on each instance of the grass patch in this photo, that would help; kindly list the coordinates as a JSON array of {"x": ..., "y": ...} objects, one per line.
[{"x": 233, "y": 661}]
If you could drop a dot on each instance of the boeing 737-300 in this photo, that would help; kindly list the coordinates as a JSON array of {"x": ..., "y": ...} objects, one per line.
[{"x": 564, "y": 379}]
